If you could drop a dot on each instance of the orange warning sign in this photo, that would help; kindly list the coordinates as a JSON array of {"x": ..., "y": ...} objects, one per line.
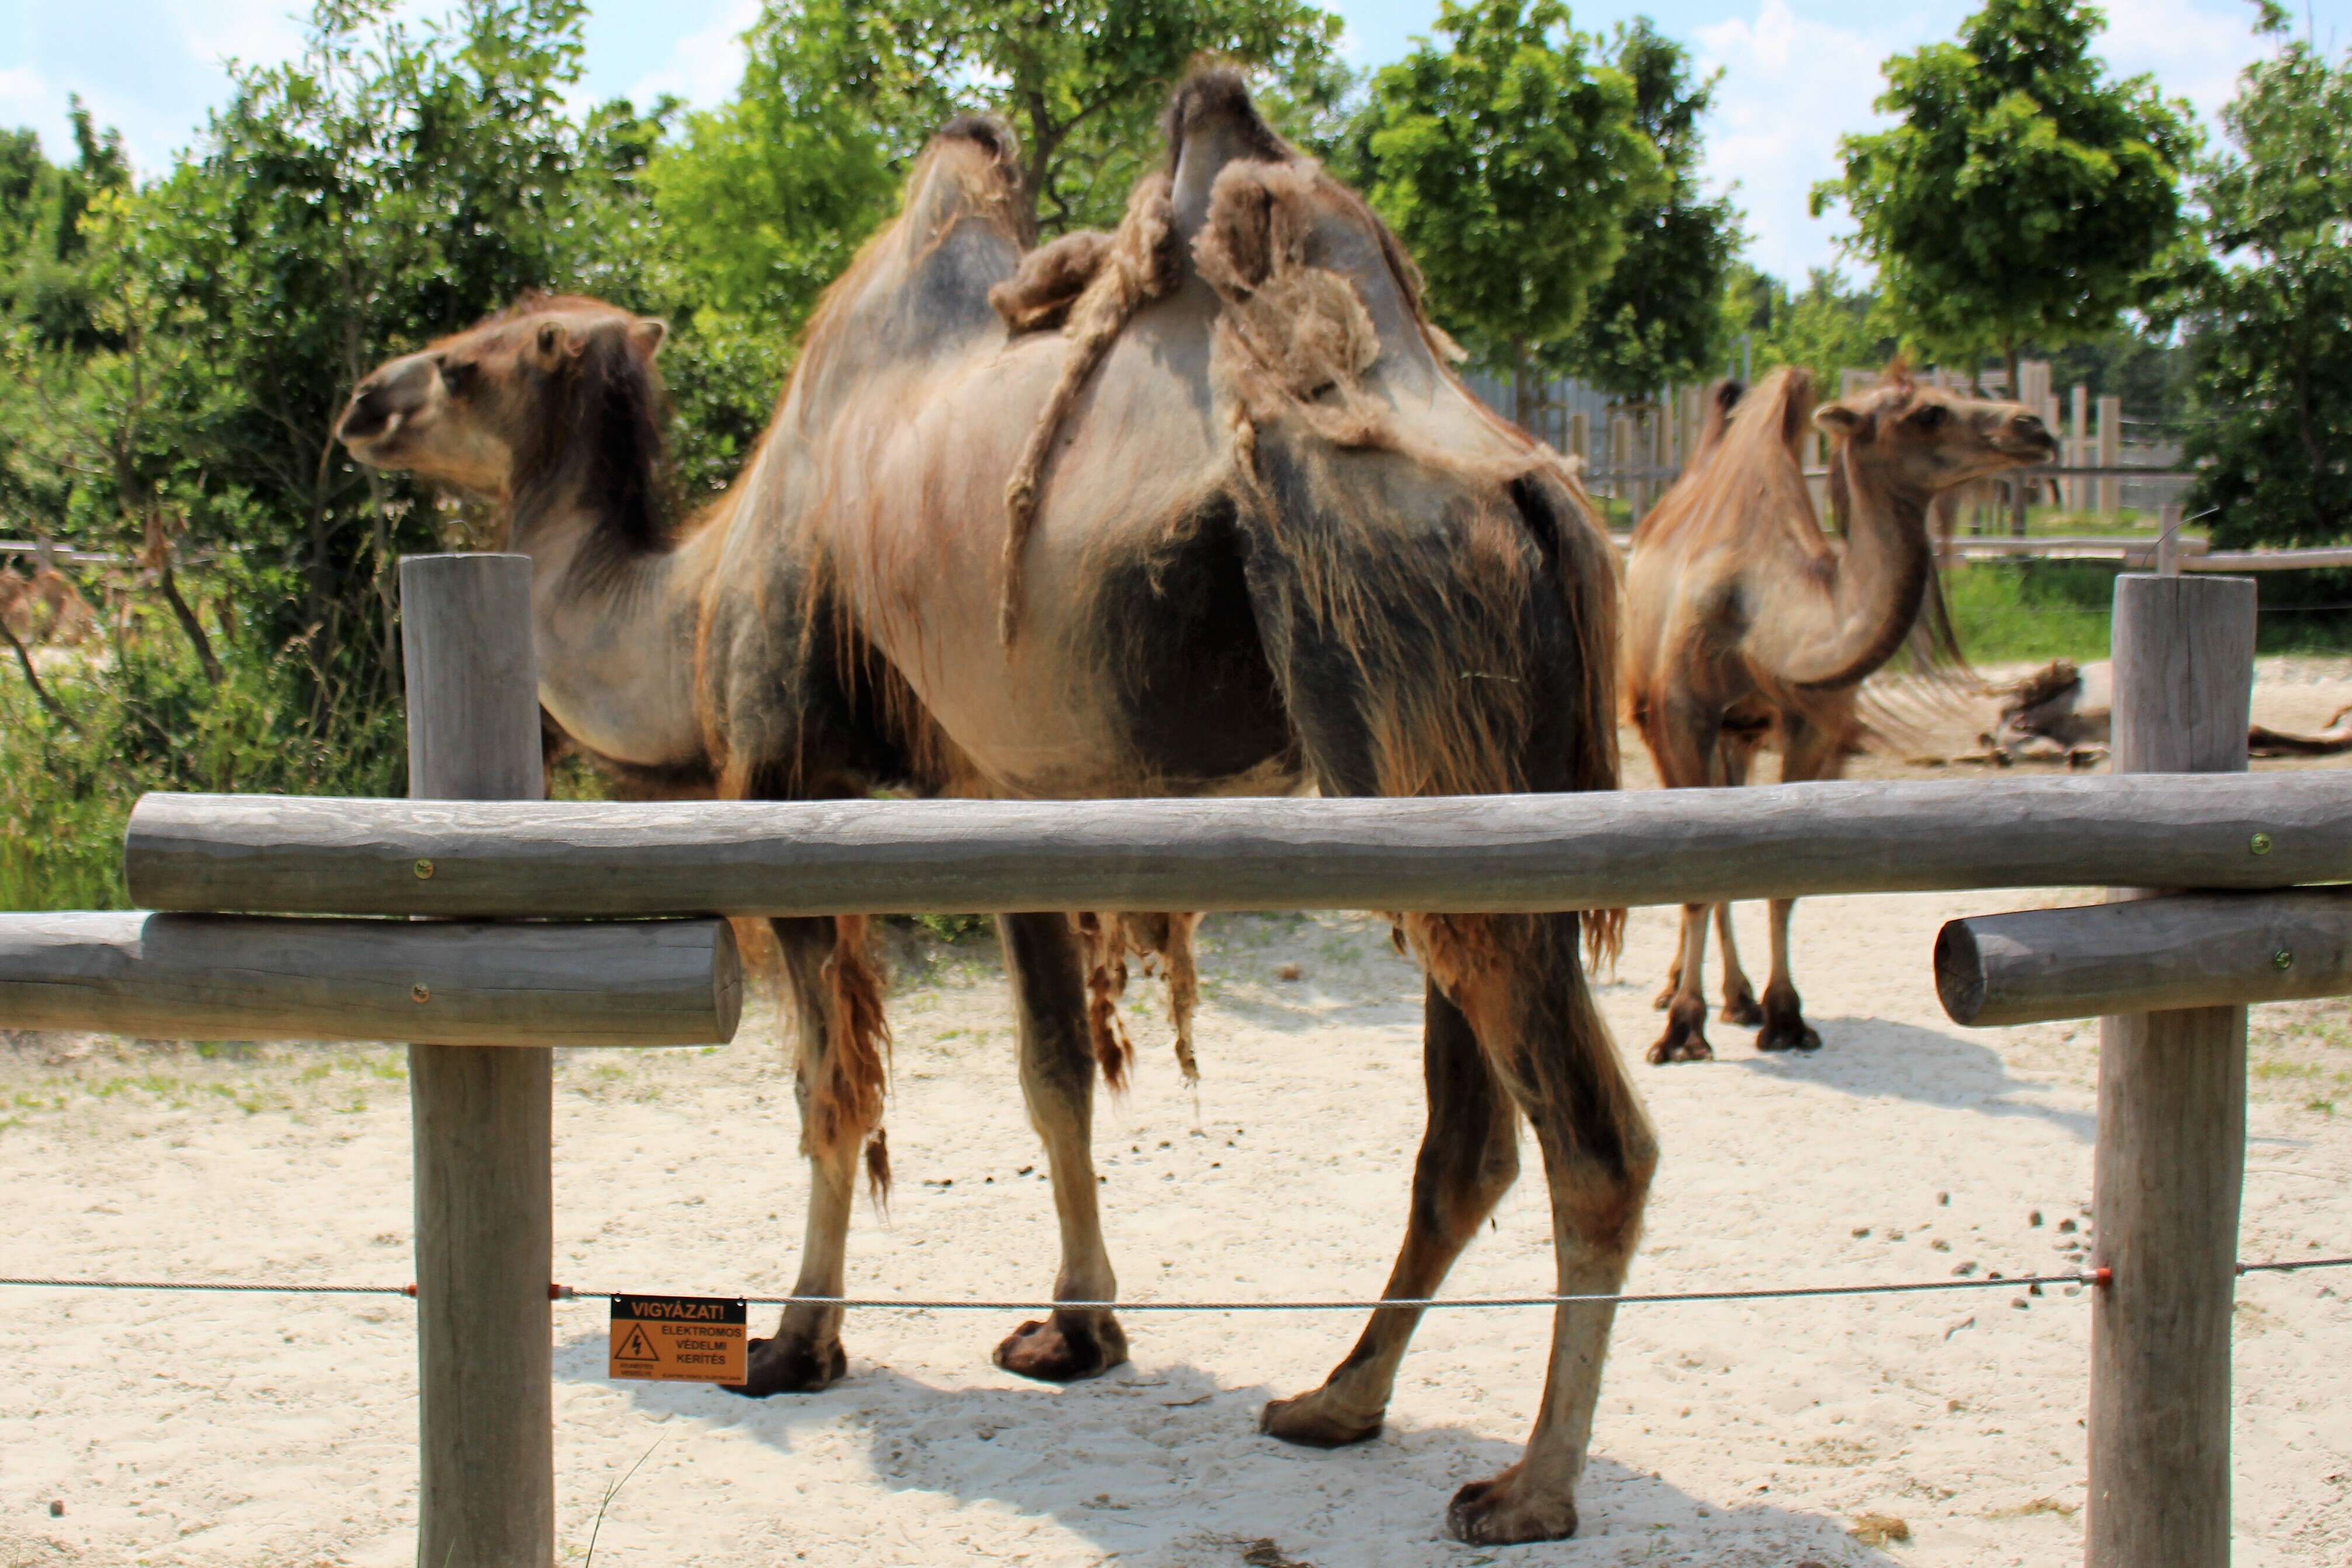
[{"x": 678, "y": 1339}]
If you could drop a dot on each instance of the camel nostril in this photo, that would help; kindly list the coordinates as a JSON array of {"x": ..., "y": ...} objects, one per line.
[{"x": 365, "y": 419}]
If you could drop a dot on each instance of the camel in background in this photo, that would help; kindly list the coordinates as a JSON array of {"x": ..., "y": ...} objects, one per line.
[
  {"x": 1743, "y": 623},
  {"x": 45, "y": 607},
  {"x": 1196, "y": 507}
]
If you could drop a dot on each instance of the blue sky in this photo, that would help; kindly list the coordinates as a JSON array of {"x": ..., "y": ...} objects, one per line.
[{"x": 1797, "y": 73}]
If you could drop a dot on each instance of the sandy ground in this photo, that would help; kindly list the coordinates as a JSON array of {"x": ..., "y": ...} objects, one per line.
[{"x": 259, "y": 1430}]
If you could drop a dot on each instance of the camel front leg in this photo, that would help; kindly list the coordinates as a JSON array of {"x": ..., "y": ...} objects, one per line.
[
  {"x": 1685, "y": 1036},
  {"x": 1810, "y": 751},
  {"x": 1469, "y": 1158},
  {"x": 806, "y": 1352},
  {"x": 1785, "y": 1027},
  {"x": 1738, "y": 998},
  {"x": 1058, "y": 1080},
  {"x": 1739, "y": 750},
  {"x": 1536, "y": 1022}
]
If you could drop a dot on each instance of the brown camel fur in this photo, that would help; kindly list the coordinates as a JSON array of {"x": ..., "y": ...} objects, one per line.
[
  {"x": 1745, "y": 623},
  {"x": 1198, "y": 507}
]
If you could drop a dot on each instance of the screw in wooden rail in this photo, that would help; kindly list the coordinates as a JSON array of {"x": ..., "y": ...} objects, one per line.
[
  {"x": 2259, "y": 843},
  {"x": 425, "y": 868}
]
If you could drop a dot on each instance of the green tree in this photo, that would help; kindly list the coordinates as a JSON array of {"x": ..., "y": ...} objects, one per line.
[
  {"x": 1509, "y": 163},
  {"x": 1657, "y": 317},
  {"x": 2026, "y": 197},
  {"x": 861, "y": 86},
  {"x": 1826, "y": 326},
  {"x": 765, "y": 198},
  {"x": 2270, "y": 322}
]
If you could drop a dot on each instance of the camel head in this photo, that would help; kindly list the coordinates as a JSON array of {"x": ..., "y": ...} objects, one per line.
[
  {"x": 1921, "y": 439},
  {"x": 475, "y": 409}
]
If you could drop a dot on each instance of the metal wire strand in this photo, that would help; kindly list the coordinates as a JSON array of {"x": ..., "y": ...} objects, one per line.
[{"x": 1413, "y": 1303}]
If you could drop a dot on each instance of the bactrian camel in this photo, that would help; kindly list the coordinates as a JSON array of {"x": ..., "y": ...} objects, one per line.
[
  {"x": 1195, "y": 507},
  {"x": 1743, "y": 623}
]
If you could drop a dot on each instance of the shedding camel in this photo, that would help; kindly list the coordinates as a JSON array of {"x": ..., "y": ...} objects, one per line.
[
  {"x": 1745, "y": 624},
  {"x": 1195, "y": 507}
]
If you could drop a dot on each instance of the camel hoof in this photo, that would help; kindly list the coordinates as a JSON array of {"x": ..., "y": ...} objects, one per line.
[
  {"x": 1741, "y": 1010},
  {"x": 1065, "y": 1348},
  {"x": 1498, "y": 1512},
  {"x": 1308, "y": 1420},
  {"x": 789, "y": 1366},
  {"x": 1788, "y": 1034}
]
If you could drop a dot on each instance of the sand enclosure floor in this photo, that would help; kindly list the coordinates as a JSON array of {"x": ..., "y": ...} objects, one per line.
[{"x": 246, "y": 1431}]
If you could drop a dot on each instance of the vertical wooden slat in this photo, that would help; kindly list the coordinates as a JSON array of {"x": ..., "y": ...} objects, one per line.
[
  {"x": 485, "y": 1240},
  {"x": 2171, "y": 1151}
]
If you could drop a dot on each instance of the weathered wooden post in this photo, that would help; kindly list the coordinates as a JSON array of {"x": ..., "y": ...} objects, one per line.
[
  {"x": 485, "y": 1229},
  {"x": 2171, "y": 1151}
]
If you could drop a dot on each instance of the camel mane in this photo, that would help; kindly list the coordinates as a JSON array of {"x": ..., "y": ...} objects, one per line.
[{"x": 604, "y": 432}]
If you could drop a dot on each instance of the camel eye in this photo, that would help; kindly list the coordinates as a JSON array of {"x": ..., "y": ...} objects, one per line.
[
  {"x": 1932, "y": 417},
  {"x": 460, "y": 376}
]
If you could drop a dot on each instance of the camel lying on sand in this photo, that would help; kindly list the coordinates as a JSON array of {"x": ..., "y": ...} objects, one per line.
[
  {"x": 2062, "y": 713},
  {"x": 1195, "y": 508},
  {"x": 1743, "y": 623}
]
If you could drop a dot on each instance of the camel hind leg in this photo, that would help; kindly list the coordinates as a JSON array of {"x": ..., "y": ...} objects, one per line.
[
  {"x": 1048, "y": 969},
  {"x": 1471, "y": 651},
  {"x": 1519, "y": 981},
  {"x": 1469, "y": 1158}
]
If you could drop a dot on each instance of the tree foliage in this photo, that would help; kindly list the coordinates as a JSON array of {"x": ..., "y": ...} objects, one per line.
[
  {"x": 2270, "y": 321},
  {"x": 1509, "y": 161},
  {"x": 1827, "y": 326},
  {"x": 2025, "y": 196},
  {"x": 1656, "y": 319},
  {"x": 805, "y": 158}
]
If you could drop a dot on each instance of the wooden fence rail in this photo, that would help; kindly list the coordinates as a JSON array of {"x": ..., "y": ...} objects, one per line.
[
  {"x": 1471, "y": 855},
  {"x": 210, "y": 976},
  {"x": 2190, "y": 950}
]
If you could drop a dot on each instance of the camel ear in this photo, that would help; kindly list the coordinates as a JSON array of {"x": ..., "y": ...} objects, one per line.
[
  {"x": 552, "y": 342},
  {"x": 1837, "y": 420},
  {"x": 647, "y": 334}
]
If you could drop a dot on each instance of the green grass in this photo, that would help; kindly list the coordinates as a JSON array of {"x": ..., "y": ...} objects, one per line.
[{"x": 2039, "y": 609}]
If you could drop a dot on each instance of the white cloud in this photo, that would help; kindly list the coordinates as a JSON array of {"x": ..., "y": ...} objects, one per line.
[
  {"x": 2195, "y": 50},
  {"x": 1791, "y": 86},
  {"x": 705, "y": 65},
  {"x": 255, "y": 32},
  {"x": 25, "y": 95}
]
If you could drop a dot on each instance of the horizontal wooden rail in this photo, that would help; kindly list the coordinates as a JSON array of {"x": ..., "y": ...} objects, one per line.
[
  {"x": 204, "y": 977},
  {"x": 488, "y": 859},
  {"x": 2154, "y": 955}
]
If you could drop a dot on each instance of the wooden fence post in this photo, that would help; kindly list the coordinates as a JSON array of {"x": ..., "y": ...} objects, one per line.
[
  {"x": 2171, "y": 1152},
  {"x": 485, "y": 1232}
]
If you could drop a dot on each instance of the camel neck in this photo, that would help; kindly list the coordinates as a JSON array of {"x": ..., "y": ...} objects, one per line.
[
  {"x": 1878, "y": 582},
  {"x": 613, "y": 623}
]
